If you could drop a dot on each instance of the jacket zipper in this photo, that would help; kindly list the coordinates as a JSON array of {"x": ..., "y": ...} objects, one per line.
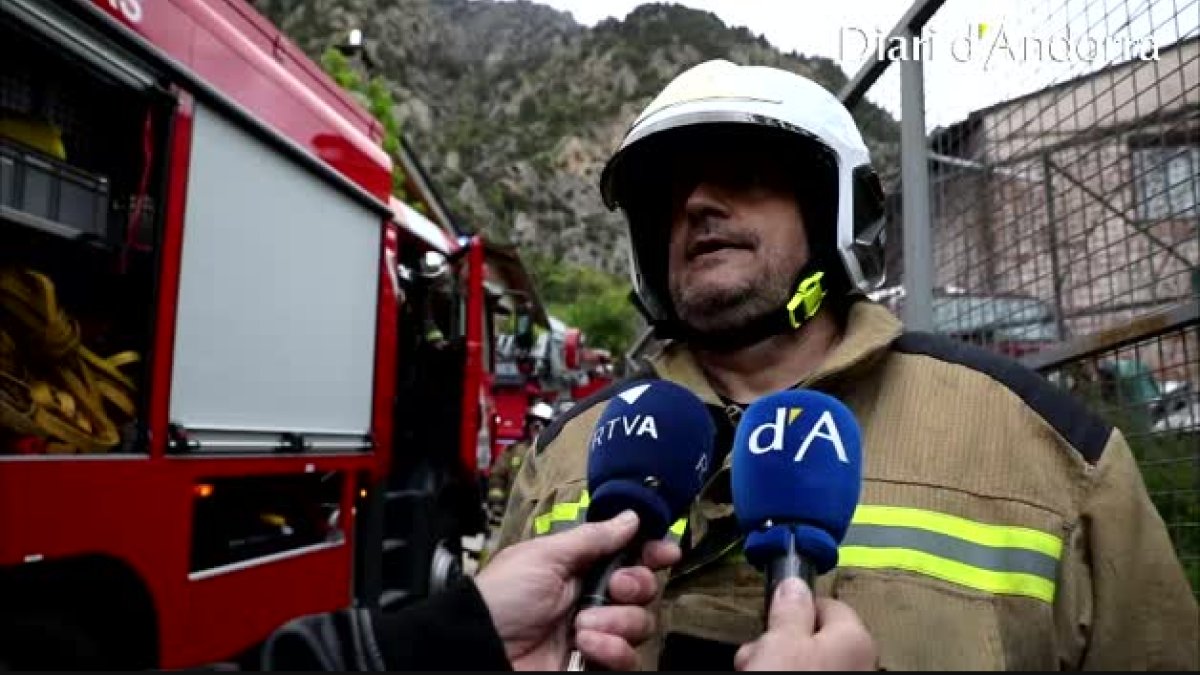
[{"x": 733, "y": 414}]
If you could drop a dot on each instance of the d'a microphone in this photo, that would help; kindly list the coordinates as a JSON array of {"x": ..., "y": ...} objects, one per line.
[
  {"x": 651, "y": 452},
  {"x": 796, "y": 477}
]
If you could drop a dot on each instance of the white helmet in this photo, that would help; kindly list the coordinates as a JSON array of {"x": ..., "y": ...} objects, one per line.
[
  {"x": 434, "y": 266},
  {"x": 807, "y": 127},
  {"x": 541, "y": 412}
]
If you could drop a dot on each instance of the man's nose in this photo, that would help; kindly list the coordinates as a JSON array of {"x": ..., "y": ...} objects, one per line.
[{"x": 705, "y": 202}]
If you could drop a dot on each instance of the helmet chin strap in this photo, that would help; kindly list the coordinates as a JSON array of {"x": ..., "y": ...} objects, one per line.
[{"x": 809, "y": 292}]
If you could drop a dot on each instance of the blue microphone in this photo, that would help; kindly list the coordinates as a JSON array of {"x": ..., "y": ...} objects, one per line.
[
  {"x": 651, "y": 452},
  {"x": 797, "y": 475}
]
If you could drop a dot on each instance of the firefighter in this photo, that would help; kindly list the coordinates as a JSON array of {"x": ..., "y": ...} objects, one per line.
[
  {"x": 537, "y": 418},
  {"x": 1001, "y": 525},
  {"x": 434, "y": 271}
]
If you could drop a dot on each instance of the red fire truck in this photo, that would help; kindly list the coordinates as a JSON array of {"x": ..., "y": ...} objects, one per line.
[
  {"x": 540, "y": 359},
  {"x": 239, "y": 382}
]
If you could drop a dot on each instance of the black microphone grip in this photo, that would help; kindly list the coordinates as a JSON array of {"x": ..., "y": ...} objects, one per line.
[
  {"x": 594, "y": 592},
  {"x": 789, "y": 566}
]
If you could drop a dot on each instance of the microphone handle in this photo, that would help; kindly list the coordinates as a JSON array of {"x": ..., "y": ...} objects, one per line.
[
  {"x": 788, "y": 566},
  {"x": 595, "y": 593}
]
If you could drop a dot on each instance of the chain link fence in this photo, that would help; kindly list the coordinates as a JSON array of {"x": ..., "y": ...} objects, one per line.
[{"x": 1060, "y": 224}]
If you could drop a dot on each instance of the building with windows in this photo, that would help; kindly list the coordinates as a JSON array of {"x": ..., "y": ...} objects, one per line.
[{"x": 1085, "y": 194}]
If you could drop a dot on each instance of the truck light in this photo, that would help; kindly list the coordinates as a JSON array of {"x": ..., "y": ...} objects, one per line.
[{"x": 203, "y": 490}]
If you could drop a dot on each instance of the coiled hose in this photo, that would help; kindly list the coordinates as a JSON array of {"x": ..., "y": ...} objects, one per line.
[{"x": 51, "y": 386}]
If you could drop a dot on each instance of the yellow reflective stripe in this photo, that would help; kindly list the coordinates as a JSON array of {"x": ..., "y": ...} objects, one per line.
[
  {"x": 574, "y": 513},
  {"x": 1003, "y": 583},
  {"x": 565, "y": 512},
  {"x": 997, "y": 536}
]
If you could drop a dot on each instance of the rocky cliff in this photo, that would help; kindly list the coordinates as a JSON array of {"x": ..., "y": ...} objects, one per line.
[{"x": 513, "y": 106}]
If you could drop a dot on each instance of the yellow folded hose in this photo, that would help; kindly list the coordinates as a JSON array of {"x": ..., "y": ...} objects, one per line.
[{"x": 51, "y": 386}]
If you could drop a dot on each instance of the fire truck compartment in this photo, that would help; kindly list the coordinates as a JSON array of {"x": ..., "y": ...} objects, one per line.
[
  {"x": 254, "y": 519},
  {"x": 83, "y": 138},
  {"x": 276, "y": 330},
  {"x": 77, "y": 134}
]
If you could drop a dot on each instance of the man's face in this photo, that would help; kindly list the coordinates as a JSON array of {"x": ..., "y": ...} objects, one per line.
[{"x": 737, "y": 240}]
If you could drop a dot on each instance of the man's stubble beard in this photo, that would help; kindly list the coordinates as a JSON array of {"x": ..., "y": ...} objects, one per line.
[{"x": 709, "y": 309}]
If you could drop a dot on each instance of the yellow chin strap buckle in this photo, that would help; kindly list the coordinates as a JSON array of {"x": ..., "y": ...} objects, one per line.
[{"x": 809, "y": 295}]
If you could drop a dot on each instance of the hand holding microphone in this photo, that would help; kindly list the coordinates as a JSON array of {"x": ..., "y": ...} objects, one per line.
[
  {"x": 804, "y": 633},
  {"x": 530, "y": 590},
  {"x": 797, "y": 475}
]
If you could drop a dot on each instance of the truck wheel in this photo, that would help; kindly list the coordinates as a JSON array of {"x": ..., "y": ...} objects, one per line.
[{"x": 47, "y": 643}]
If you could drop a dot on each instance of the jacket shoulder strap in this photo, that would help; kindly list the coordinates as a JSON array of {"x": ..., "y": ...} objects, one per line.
[{"x": 1087, "y": 433}]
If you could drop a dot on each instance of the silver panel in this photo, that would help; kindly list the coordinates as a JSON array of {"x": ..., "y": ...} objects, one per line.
[{"x": 277, "y": 296}]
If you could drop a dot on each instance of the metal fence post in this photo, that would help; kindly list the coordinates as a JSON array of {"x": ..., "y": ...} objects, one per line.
[
  {"x": 984, "y": 205},
  {"x": 914, "y": 176},
  {"x": 1056, "y": 273}
]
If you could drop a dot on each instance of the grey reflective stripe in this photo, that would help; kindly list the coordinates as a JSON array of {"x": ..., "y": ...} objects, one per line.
[
  {"x": 992, "y": 558},
  {"x": 557, "y": 526}
]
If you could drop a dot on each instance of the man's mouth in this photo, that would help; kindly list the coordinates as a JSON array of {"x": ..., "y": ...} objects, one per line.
[{"x": 705, "y": 245}]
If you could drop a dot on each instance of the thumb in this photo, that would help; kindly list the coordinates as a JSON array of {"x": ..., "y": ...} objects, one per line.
[
  {"x": 578, "y": 547},
  {"x": 792, "y": 609}
]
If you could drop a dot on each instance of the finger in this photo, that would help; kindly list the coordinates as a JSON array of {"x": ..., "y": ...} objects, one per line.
[
  {"x": 661, "y": 554},
  {"x": 580, "y": 546},
  {"x": 844, "y": 633},
  {"x": 607, "y": 651},
  {"x": 632, "y": 586},
  {"x": 744, "y": 655},
  {"x": 834, "y": 615},
  {"x": 633, "y": 624},
  {"x": 792, "y": 608}
]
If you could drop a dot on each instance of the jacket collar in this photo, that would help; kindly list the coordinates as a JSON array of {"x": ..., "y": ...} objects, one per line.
[{"x": 870, "y": 330}]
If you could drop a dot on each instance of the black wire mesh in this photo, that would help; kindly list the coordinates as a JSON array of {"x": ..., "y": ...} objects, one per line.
[
  {"x": 1147, "y": 388},
  {"x": 1068, "y": 213}
]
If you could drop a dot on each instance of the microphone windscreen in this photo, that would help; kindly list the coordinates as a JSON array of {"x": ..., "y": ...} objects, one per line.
[
  {"x": 651, "y": 451},
  {"x": 797, "y": 464}
]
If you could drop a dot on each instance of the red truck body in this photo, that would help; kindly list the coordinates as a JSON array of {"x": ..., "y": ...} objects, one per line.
[{"x": 121, "y": 527}]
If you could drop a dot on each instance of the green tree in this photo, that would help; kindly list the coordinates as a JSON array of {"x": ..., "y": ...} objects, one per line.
[
  {"x": 591, "y": 300},
  {"x": 607, "y": 319}
]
